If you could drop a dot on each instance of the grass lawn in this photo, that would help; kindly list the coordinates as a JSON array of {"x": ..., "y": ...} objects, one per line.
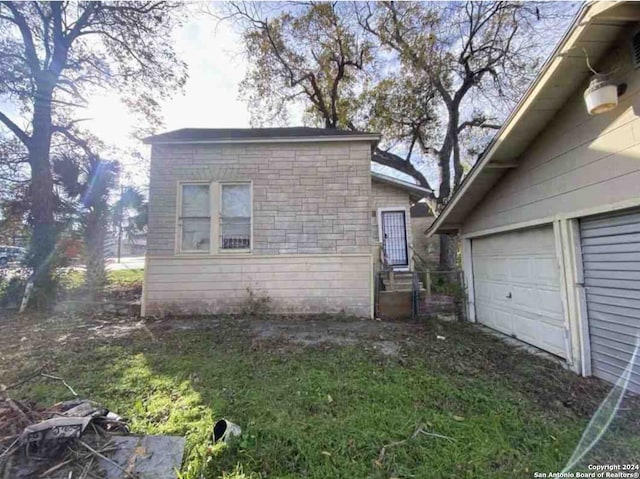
[
  {"x": 120, "y": 278},
  {"x": 122, "y": 285},
  {"x": 125, "y": 277},
  {"x": 327, "y": 409}
]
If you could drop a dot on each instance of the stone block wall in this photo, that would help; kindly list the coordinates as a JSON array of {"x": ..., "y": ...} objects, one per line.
[{"x": 308, "y": 198}]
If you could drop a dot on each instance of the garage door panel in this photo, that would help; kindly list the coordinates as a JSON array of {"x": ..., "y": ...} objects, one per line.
[
  {"x": 528, "y": 330},
  {"x": 550, "y": 302},
  {"x": 611, "y": 264},
  {"x": 612, "y": 274},
  {"x": 619, "y": 312},
  {"x": 609, "y": 240},
  {"x": 602, "y": 264},
  {"x": 608, "y": 249},
  {"x": 494, "y": 318},
  {"x": 607, "y": 361},
  {"x": 519, "y": 268},
  {"x": 621, "y": 229},
  {"x": 483, "y": 290},
  {"x": 521, "y": 242},
  {"x": 497, "y": 271},
  {"x": 497, "y": 319},
  {"x": 546, "y": 271},
  {"x": 612, "y": 219},
  {"x": 617, "y": 293},
  {"x": 612, "y": 283},
  {"x": 523, "y": 297},
  {"x": 612, "y": 318},
  {"x": 616, "y": 301},
  {"x": 609, "y": 373},
  {"x": 614, "y": 332},
  {"x": 517, "y": 287}
]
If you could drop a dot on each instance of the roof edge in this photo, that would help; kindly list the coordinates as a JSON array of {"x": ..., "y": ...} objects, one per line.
[
  {"x": 373, "y": 138},
  {"x": 417, "y": 189}
]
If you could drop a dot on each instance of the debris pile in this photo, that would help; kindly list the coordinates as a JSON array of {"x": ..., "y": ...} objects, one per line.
[{"x": 79, "y": 439}]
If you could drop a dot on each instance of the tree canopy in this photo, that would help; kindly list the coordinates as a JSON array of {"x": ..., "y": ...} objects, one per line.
[
  {"x": 52, "y": 56},
  {"x": 310, "y": 53},
  {"x": 436, "y": 79}
]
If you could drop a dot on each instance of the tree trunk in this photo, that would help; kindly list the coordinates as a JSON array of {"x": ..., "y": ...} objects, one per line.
[
  {"x": 448, "y": 252},
  {"x": 94, "y": 236},
  {"x": 43, "y": 239},
  {"x": 449, "y": 153}
]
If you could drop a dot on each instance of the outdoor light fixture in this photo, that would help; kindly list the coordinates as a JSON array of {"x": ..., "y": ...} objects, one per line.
[{"x": 601, "y": 95}]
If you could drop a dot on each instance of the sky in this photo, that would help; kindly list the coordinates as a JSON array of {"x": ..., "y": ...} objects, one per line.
[
  {"x": 210, "y": 98},
  {"x": 216, "y": 66}
]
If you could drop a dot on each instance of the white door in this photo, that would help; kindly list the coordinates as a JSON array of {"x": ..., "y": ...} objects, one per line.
[
  {"x": 394, "y": 237},
  {"x": 517, "y": 287}
]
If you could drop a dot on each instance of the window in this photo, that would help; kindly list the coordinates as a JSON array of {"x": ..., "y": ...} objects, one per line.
[
  {"x": 235, "y": 216},
  {"x": 195, "y": 218},
  {"x": 229, "y": 204}
]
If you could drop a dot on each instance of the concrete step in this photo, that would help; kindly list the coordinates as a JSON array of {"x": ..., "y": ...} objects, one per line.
[
  {"x": 399, "y": 281},
  {"x": 402, "y": 283},
  {"x": 407, "y": 288}
]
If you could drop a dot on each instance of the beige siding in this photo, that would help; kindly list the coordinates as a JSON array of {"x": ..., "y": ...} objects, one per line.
[
  {"x": 578, "y": 162},
  {"x": 427, "y": 247},
  {"x": 309, "y": 198},
  {"x": 384, "y": 195},
  {"x": 293, "y": 283}
]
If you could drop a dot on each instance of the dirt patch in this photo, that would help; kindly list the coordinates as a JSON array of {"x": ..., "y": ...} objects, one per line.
[
  {"x": 371, "y": 334},
  {"x": 460, "y": 350}
]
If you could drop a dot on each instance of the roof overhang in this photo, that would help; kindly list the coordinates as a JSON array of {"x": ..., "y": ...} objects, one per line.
[
  {"x": 372, "y": 138},
  {"x": 416, "y": 192},
  {"x": 596, "y": 26}
]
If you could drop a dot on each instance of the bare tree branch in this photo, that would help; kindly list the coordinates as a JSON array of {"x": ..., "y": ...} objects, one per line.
[{"x": 15, "y": 129}]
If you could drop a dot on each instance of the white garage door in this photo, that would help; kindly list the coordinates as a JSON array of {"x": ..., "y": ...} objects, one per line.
[{"x": 517, "y": 287}]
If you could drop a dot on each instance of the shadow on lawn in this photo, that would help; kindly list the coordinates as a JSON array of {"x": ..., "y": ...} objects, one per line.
[{"x": 327, "y": 411}]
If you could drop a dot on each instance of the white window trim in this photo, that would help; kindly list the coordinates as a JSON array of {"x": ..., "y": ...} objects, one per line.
[
  {"x": 218, "y": 247},
  {"x": 215, "y": 202},
  {"x": 178, "y": 237}
]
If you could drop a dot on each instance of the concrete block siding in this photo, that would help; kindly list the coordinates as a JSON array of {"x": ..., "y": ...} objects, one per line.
[
  {"x": 307, "y": 198},
  {"x": 311, "y": 247}
]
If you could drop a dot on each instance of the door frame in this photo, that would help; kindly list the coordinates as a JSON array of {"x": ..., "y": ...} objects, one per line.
[
  {"x": 569, "y": 263},
  {"x": 407, "y": 222},
  {"x": 569, "y": 250}
]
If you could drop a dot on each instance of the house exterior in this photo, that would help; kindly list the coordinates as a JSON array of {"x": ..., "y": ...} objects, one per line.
[
  {"x": 291, "y": 217},
  {"x": 130, "y": 245},
  {"x": 550, "y": 216},
  {"x": 426, "y": 248}
]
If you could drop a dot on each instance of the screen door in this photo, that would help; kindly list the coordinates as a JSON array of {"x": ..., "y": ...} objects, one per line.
[{"x": 394, "y": 234}]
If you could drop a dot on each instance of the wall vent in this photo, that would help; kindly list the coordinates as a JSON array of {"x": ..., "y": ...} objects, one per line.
[{"x": 635, "y": 49}]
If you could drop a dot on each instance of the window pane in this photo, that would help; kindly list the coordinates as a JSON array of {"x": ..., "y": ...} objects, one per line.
[
  {"x": 195, "y": 200},
  {"x": 235, "y": 233},
  {"x": 236, "y": 201},
  {"x": 195, "y": 234}
]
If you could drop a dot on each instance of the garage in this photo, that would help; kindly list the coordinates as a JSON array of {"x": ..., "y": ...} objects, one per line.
[
  {"x": 571, "y": 287},
  {"x": 517, "y": 287},
  {"x": 611, "y": 264}
]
